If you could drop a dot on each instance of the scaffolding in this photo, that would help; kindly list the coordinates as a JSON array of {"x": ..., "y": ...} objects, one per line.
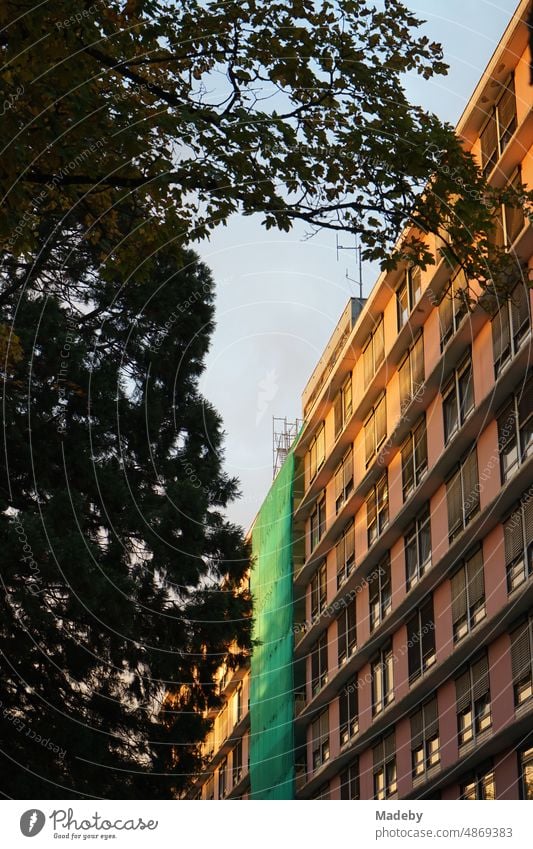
[{"x": 283, "y": 435}]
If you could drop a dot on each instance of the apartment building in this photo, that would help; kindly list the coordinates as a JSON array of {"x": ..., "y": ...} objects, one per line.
[{"x": 412, "y": 520}]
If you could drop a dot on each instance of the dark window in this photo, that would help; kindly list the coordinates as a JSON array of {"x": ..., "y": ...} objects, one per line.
[
  {"x": 320, "y": 740},
  {"x": 411, "y": 373},
  {"x": 425, "y": 743},
  {"x": 343, "y": 406},
  {"x": 521, "y": 661},
  {"x": 421, "y": 640},
  {"x": 322, "y": 792},
  {"x": 344, "y": 480},
  {"x": 462, "y": 494},
  {"x": 318, "y": 522},
  {"x": 510, "y": 326},
  {"x": 468, "y": 595},
  {"x": 237, "y": 763},
  {"x": 380, "y": 593},
  {"x": 515, "y": 430},
  {"x": 222, "y": 779},
  {"x": 347, "y": 633},
  {"x": 525, "y": 759},
  {"x": 518, "y": 536},
  {"x": 453, "y": 307},
  {"x": 319, "y": 664},
  {"x": 414, "y": 458},
  {"x": 382, "y": 671},
  {"x": 374, "y": 352},
  {"x": 458, "y": 399},
  {"x": 317, "y": 452},
  {"x": 418, "y": 548},
  {"x": 318, "y": 591},
  {"x": 348, "y": 712},
  {"x": 499, "y": 128},
  {"x": 385, "y": 778},
  {"x": 472, "y": 691},
  {"x": 350, "y": 781},
  {"x": 479, "y": 785},
  {"x": 408, "y": 294},
  {"x": 377, "y": 509},
  {"x": 345, "y": 553},
  {"x": 210, "y": 789},
  {"x": 375, "y": 429}
]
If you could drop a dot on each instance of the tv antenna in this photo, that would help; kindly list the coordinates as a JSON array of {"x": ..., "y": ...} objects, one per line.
[{"x": 358, "y": 258}]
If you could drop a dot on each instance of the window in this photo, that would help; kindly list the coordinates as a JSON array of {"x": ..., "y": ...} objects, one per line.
[
  {"x": 479, "y": 786},
  {"x": 237, "y": 763},
  {"x": 319, "y": 664},
  {"x": 317, "y": 452},
  {"x": 510, "y": 326},
  {"x": 526, "y": 773},
  {"x": 322, "y": 792},
  {"x": 348, "y": 712},
  {"x": 468, "y": 596},
  {"x": 414, "y": 458},
  {"x": 515, "y": 430},
  {"x": 346, "y": 633},
  {"x": 375, "y": 428},
  {"x": 518, "y": 536},
  {"x": 318, "y": 591},
  {"x": 380, "y": 593},
  {"x": 318, "y": 522},
  {"x": 472, "y": 691},
  {"x": 521, "y": 662},
  {"x": 320, "y": 740},
  {"x": 421, "y": 640},
  {"x": 222, "y": 779},
  {"x": 385, "y": 779},
  {"x": 458, "y": 399},
  {"x": 417, "y": 543},
  {"x": 345, "y": 553},
  {"x": 210, "y": 789},
  {"x": 425, "y": 743},
  {"x": 374, "y": 352},
  {"x": 453, "y": 307},
  {"x": 343, "y": 406},
  {"x": 411, "y": 373},
  {"x": 350, "y": 781},
  {"x": 344, "y": 480},
  {"x": 382, "y": 680},
  {"x": 499, "y": 128},
  {"x": 238, "y": 703},
  {"x": 408, "y": 294},
  {"x": 377, "y": 509},
  {"x": 509, "y": 219},
  {"x": 462, "y": 495}
]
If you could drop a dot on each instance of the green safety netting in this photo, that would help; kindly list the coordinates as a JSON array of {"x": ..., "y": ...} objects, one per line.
[{"x": 271, "y": 688}]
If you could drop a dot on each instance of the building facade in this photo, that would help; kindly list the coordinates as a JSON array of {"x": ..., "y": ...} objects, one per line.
[{"x": 412, "y": 518}]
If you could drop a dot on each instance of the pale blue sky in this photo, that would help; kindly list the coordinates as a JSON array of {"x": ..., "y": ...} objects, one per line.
[{"x": 279, "y": 297}]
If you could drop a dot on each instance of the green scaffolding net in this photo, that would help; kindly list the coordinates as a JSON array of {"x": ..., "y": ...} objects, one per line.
[{"x": 272, "y": 686}]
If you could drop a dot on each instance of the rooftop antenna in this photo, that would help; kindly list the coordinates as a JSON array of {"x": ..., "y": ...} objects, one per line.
[{"x": 359, "y": 260}]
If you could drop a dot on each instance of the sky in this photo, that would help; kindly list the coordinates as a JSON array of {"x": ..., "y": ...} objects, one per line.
[{"x": 279, "y": 296}]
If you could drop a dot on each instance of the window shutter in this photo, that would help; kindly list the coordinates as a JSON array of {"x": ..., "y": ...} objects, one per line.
[
  {"x": 371, "y": 508},
  {"x": 427, "y": 631},
  {"x": 417, "y": 729},
  {"x": 339, "y": 481},
  {"x": 413, "y": 647},
  {"x": 379, "y": 344},
  {"x": 343, "y": 708},
  {"x": 341, "y": 634},
  {"x": 381, "y": 421},
  {"x": 520, "y": 308},
  {"x": 514, "y": 543},
  {"x": 507, "y": 107},
  {"x": 405, "y": 381},
  {"x": 338, "y": 414},
  {"x": 470, "y": 482},
  {"x": 520, "y": 652},
  {"x": 480, "y": 678},
  {"x": 339, "y": 554},
  {"x": 389, "y": 746},
  {"x": 489, "y": 142},
  {"x": 421, "y": 449},
  {"x": 324, "y": 725},
  {"x": 368, "y": 362},
  {"x": 528, "y": 519},
  {"x": 501, "y": 334},
  {"x": 475, "y": 578},
  {"x": 417, "y": 363},
  {"x": 348, "y": 469},
  {"x": 370, "y": 438},
  {"x": 408, "y": 474},
  {"x": 525, "y": 405},
  {"x": 377, "y": 754},
  {"x": 458, "y": 596},
  {"x": 462, "y": 691},
  {"x": 352, "y": 626},
  {"x": 431, "y": 719},
  {"x": 454, "y": 500},
  {"x": 349, "y": 542}
]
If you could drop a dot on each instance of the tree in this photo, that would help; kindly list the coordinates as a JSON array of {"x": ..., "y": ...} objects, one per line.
[
  {"x": 294, "y": 110},
  {"x": 122, "y": 581}
]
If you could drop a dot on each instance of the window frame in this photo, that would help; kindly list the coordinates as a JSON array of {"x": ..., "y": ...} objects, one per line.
[
  {"x": 414, "y": 535},
  {"x": 319, "y": 664},
  {"x": 382, "y": 695},
  {"x": 380, "y": 593},
  {"x": 319, "y": 591},
  {"x": 421, "y": 643},
  {"x": 373, "y": 352},
  {"x": 374, "y": 439},
  {"x": 377, "y": 516},
  {"x": 416, "y": 439},
  {"x": 452, "y": 392},
  {"x": 320, "y": 746}
]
